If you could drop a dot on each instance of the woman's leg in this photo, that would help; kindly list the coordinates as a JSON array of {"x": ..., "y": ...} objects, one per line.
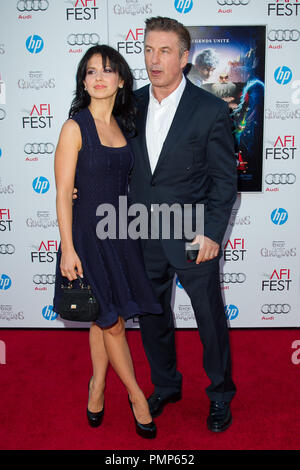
[
  {"x": 100, "y": 364},
  {"x": 120, "y": 358}
]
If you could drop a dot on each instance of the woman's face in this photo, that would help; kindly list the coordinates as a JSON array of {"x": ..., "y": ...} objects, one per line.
[{"x": 100, "y": 80}]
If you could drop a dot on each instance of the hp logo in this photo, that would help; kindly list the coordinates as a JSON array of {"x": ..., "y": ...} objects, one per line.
[
  {"x": 231, "y": 312},
  {"x": 279, "y": 216},
  {"x": 34, "y": 44},
  {"x": 183, "y": 6},
  {"x": 283, "y": 75},
  {"x": 5, "y": 282},
  {"x": 48, "y": 313},
  {"x": 40, "y": 185}
]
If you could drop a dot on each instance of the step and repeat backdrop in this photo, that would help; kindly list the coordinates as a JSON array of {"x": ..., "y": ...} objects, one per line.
[{"x": 245, "y": 51}]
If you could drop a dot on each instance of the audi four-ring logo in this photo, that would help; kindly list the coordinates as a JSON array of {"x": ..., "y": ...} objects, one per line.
[
  {"x": 32, "y": 5},
  {"x": 80, "y": 39},
  {"x": 284, "y": 35},
  {"x": 232, "y": 277},
  {"x": 233, "y": 2},
  {"x": 280, "y": 178},
  {"x": 7, "y": 249},
  {"x": 2, "y": 114},
  {"x": 39, "y": 148},
  {"x": 275, "y": 308},
  {"x": 44, "y": 278},
  {"x": 139, "y": 74}
]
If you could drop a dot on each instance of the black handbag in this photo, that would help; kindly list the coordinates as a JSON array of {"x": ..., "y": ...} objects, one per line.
[{"x": 78, "y": 304}]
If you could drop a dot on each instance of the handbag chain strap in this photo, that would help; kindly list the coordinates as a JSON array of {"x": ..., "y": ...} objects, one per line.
[{"x": 81, "y": 284}]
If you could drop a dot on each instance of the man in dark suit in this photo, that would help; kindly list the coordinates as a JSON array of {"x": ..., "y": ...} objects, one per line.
[{"x": 184, "y": 154}]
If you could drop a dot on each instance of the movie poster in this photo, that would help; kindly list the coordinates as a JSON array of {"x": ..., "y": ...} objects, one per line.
[{"x": 229, "y": 61}]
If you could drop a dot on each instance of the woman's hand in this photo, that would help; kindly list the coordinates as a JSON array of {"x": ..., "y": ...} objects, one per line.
[{"x": 70, "y": 265}]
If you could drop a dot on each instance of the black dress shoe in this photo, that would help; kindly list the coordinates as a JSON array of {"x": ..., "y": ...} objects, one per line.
[
  {"x": 147, "y": 431},
  {"x": 157, "y": 403},
  {"x": 94, "y": 418},
  {"x": 220, "y": 417}
]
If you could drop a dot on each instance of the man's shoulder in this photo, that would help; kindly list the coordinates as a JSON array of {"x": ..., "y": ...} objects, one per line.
[
  {"x": 205, "y": 97},
  {"x": 191, "y": 92}
]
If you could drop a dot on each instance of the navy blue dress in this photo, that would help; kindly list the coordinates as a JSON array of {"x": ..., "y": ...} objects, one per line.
[{"x": 114, "y": 268}]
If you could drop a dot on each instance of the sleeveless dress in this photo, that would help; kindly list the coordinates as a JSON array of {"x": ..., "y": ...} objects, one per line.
[{"x": 113, "y": 267}]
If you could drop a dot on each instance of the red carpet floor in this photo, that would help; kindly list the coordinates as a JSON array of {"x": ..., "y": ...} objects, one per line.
[{"x": 44, "y": 394}]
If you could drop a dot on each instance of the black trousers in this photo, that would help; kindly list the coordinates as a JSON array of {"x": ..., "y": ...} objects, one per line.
[{"x": 202, "y": 284}]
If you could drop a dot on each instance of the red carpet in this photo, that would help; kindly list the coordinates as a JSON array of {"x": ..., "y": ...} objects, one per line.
[{"x": 44, "y": 393}]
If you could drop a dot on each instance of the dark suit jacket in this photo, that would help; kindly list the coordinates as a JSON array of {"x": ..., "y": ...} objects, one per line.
[{"x": 196, "y": 164}]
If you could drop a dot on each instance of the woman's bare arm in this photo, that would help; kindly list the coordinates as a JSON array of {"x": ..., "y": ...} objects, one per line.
[{"x": 66, "y": 156}]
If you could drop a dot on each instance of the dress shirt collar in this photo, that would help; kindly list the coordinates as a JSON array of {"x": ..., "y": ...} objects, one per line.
[{"x": 173, "y": 98}]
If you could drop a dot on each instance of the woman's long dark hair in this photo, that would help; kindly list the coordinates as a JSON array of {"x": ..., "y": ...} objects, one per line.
[{"x": 124, "y": 108}]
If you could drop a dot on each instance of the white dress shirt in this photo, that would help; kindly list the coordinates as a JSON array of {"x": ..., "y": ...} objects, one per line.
[{"x": 159, "y": 120}]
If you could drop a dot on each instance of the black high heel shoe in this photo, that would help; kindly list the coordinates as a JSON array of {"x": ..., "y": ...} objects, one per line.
[
  {"x": 94, "y": 418},
  {"x": 147, "y": 431}
]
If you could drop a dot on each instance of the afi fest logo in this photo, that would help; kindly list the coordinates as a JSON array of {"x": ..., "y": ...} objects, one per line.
[
  {"x": 283, "y": 148},
  {"x": 39, "y": 118},
  {"x": 46, "y": 252},
  {"x": 5, "y": 220},
  {"x": 280, "y": 280},
  {"x": 83, "y": 10},
  {"x": 134, "y": 42},
  {"x": 183, "y": 6},
  {"x": 284, "y": 8},
  {"x": 34, "y": 44},
  {"x": 234, "y": 250}
]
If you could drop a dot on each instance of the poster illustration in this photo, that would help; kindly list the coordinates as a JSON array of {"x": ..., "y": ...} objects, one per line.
[{"x": 229, "y": 61}]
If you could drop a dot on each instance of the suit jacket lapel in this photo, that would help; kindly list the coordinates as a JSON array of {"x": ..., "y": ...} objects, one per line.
[
  {"x": 184, "y": 109},
  {"x": 141, "y": 129}
]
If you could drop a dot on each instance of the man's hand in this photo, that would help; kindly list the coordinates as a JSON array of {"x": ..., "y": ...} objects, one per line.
[{"x": 208, "y": 248}]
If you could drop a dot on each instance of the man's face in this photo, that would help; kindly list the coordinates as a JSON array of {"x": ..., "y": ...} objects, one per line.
[{"x": 162, "y": 58}]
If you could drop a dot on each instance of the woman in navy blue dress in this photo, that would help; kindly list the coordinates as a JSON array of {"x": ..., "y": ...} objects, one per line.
[{"x": 93, "y": 154}]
